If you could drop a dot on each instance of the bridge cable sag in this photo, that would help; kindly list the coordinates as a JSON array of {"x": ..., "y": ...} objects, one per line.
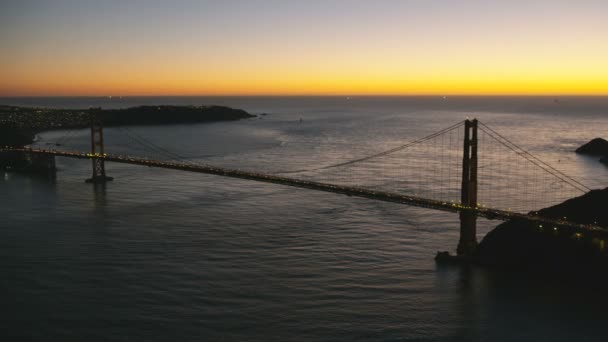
[
  {"x": 150, "y": 146},
  {"x": 377, "y": 155}
]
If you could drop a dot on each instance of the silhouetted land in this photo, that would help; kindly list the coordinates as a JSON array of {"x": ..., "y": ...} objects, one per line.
[
  {"x": 526, "y": 246},
  {"x": 596, "y": 147},
  {"x": 18, "y": 125}
]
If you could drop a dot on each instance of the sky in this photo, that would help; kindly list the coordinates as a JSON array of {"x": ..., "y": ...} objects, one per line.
[{"x": 312, "y": 47}]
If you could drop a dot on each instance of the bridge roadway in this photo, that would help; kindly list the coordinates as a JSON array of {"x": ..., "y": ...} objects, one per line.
[{"x": 489, "y": 213}]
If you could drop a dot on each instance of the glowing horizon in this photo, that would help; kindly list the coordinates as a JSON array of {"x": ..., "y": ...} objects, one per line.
[{"x": 256, "y": 47}]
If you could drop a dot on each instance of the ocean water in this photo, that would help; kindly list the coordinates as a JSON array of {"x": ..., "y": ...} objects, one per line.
[{"x": 161, "y": 255}]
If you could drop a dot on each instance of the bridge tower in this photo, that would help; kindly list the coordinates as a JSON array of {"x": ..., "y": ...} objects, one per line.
[
  {"x": 468, "y": 219},
  {"x": 97, "y": 149}
]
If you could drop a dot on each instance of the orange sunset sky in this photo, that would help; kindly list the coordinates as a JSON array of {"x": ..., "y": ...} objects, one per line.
[{"x": 101, "y": 48}]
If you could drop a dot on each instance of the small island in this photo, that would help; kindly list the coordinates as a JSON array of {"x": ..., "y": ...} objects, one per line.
[
  {"x": 597, "y": 147},
  {"x": 19, "y": 125}
]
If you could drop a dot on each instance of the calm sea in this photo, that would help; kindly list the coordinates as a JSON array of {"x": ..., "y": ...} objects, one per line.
[{"x": 162, "y": 255}]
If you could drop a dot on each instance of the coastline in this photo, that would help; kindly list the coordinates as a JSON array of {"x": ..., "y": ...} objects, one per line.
[
  {"x": 19, "y": 125},
  {"x": 525, "y": 246}
]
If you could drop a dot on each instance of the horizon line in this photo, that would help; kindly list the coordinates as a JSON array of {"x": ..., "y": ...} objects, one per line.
[{"x": 320, "y": 95}]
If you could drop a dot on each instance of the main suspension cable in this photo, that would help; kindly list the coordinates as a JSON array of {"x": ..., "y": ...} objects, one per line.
[
  {"x": 533, "y": 159},
  {"x": 377, "y": 155}
]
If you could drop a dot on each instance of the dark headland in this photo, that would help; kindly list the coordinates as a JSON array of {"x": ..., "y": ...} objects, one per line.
[
  {"x": 522, "y": 245},
  {"x": 18, "y": 125}
]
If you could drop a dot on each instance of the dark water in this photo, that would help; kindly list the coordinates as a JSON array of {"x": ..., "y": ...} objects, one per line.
[{"x": 160, "y": 255}]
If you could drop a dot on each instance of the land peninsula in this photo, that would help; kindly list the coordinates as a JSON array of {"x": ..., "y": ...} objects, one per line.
[
  {"x": 19, "y": 125},
  {"x": 523, "y": 245}
]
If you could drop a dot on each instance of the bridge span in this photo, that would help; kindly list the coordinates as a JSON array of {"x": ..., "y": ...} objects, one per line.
[{"x": 489, "y": 213}]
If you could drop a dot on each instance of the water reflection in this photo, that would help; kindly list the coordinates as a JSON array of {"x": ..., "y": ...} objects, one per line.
[{"x": 99, "y": 195}]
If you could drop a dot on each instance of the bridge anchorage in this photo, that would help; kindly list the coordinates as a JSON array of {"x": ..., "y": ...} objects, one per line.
[{"x": 97, "y": 149}]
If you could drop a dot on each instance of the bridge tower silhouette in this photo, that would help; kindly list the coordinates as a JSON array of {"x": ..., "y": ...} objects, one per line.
[
  {"x": 468, "y": 192},
  {"x": 97, "y": 149}
]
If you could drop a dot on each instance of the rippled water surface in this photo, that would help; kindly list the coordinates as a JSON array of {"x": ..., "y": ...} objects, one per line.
[{"x": 160, "y": 255}]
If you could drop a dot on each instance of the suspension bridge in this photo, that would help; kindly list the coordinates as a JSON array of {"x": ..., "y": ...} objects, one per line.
[{"x": 441, "y": 171}]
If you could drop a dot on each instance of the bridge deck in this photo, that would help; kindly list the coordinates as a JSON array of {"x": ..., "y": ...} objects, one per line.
[{"x": 489, "y": 213}]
